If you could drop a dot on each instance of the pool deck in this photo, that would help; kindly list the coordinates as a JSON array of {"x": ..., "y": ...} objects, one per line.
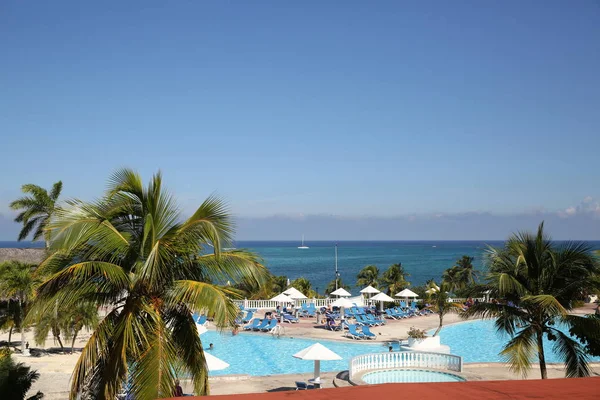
[{"x": 55, "y": 369}]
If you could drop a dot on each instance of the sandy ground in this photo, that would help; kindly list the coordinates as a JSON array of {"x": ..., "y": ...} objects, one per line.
[{"x": 55, "y": 369}]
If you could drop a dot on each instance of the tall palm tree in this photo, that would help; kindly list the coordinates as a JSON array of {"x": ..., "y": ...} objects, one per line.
[
  {"x": 304, "y": 286},
  {"x": 462, "y": 274},
  {"x": 84, "y": 315},
  {"x": 538, "y": 280},
  {"x": 369, "y": 275},
  {"x": 19, "y": 282},
  {"x": 394, "y": 279},
  {"x": 441, "y": 304},
  {"x": 37, "y": 209},
  {"x": 132, "y": 253}
]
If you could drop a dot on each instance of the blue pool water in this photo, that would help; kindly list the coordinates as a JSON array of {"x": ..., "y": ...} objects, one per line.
[
  {"x": 259, "y": 355},
  {"x": 409, "y": 375},
  {"x": 478, "y": 341}
]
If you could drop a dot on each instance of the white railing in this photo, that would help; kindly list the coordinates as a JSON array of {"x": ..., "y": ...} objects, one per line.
[
  {"x": 268, "y": 304},
  {"x": 404, "y": 359}
]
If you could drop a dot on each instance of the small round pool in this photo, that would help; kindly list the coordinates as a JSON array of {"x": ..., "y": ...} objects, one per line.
[{"x": 409, "y": 375}]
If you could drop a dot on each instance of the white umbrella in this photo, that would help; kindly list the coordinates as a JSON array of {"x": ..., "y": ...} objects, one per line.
[
  {"x": 317, "y": 352},
  {"x": 370, "y": 290},
  {"x": 341, "y": 292},
  {"x": 382, "y": 297},
  {"x": 295, "y": 293},
  {"x": 342, "y": 302},
  {"x": 213, "y": 363},
  {"x": 282, "y": 298},
  {"x": 406, "y": 293}
]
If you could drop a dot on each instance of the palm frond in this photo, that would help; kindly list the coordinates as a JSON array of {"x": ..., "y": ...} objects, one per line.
[
  {"x": 548, "y": 303},
  {"x": 520, "y": 350},
  {"x": 200, "y": 296},
  {"x": 56, "y": 190},
  {"x": 576, "y": 359}
]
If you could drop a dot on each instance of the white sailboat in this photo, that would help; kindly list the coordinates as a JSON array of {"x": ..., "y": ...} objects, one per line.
[{"x": 303, "y": 246}]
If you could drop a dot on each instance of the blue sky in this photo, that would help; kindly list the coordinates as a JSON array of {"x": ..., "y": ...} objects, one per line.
[{"x": 353, "y": 109}]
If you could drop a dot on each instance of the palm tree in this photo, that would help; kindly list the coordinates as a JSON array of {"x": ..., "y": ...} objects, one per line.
[
  {"x": 84, "y": 315},
  {"x": 278, "y": 284},
  {"x": 37, "y": 210},
  {"x": 441, "y": 304},
  {"x": 132, "y": 253},
  {"x": 394, "y": 279},
  {"x": 10, "y": 314},
  {"x": 16, "y": 379},
  {"x": 331, "y": 286},
  {"x": 369, "y": 275},
  {"x": 537, "y": 280},
  {"x": 304, "y": 286},
  {"x": 460, "y": 275},
  {"x": 18, "y": 281}
]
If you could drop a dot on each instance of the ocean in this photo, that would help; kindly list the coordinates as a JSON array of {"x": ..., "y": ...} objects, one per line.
[{"x": 423, "y": 260}]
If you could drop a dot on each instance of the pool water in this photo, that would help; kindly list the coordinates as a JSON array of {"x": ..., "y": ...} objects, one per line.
[
  {"x": 263, "y": 354},
  {"x": 478, "y": 341},
  {"x": 409, "y": 375}
]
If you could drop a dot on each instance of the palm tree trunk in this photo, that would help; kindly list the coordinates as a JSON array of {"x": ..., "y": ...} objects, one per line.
[
  {"x": 73, "y": 341},
  {"x": 21, "y": 325},
  {"x": 10, "y": 335},
  {"x": 541, "y": 356},
  {"x": 440, "y": 326}
]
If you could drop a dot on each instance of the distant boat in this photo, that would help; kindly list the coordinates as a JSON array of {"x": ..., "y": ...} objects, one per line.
[{"x": 303, "y": 246}]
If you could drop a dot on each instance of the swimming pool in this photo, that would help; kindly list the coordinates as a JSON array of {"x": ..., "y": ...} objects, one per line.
[
  {"x": 478, "y": 341},
  {"x": 259, "y": 355},
  {"x": 409, "y": 375}
]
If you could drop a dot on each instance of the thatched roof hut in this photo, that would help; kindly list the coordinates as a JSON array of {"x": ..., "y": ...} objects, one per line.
[{"x": 30, "y": 256}]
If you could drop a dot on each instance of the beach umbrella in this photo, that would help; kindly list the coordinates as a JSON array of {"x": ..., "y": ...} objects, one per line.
[
  {"x": 343, "y": 303},
  {"x": 294, "y": 293},
  {"x": 341, "y": 292},
  {"x": 282, "y": 298},
  {"x": 406, "y": 293},
  {"x": 369, "y": 290},
  {"x": 317, "y": 352},
  {"x": 381, "y": 298},
  {"x": 214, "y": 363}
]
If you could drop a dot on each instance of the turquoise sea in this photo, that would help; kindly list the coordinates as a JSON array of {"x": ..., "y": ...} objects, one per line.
[{"x": 422, "y": 259}]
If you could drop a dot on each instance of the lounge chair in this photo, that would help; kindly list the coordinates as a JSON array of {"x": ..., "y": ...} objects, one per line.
[
  {"x": 201, "y": 320},
  {"x": 290, "y": 318},
  {"x": 376, "y": 321},
  {"x": 367, "y": 332},
  {"x": 253, "y": 325},
  {"x": 265, "y": 322},
  {"x": 270, "y": 325},
  {"x": 303, "y": 386},
  {"x": 353, "y": 333},
  {"x": 248, "y": 317},
  {"x": 389, "y": 314}
]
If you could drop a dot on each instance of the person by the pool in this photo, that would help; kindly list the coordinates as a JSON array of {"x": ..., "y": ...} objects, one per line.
[{"x": 211, "y": 346}]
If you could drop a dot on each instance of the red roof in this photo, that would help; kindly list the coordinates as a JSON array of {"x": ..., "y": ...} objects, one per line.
[{"x": 573, "y": 388}]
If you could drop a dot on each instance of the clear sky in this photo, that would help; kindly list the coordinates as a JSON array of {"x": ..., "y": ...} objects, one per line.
[{"x": 355, "y": 109}]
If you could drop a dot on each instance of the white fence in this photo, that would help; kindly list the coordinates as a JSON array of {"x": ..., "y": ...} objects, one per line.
[{"x": 405, "y": 359}]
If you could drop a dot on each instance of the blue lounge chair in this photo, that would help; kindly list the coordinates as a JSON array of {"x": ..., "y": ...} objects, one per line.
[
  {"x": 270, "y": 325},
  {"x": 367, "y": 332},
  {"x": 389, "y": 314},
  {"x": 290, "y": 318},
  {"x": 253, "y": 325},
  {"x": 201, "y": 320},
  {"x": 265, "y": 322},
  {"x": 303, "y": 386},
  {"x": 248, "y": 317},
  {"x": 353, "y": 333},
  {"x": 376, "y": 321}
]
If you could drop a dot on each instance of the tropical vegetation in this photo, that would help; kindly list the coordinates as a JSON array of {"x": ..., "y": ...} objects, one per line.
[
  {"x": 394, "y": 279},
  {"x": 369, "y": 275},
  {"x": 335, "y": 284},
  {"x": 537, "y": 281},
  {"x": 36, "y": 210},
  {"x": 460, "y": 275},
  {"x": 132, "y": 253},
  {"x": 18, "y": 283},
  {"x": 441, "y": 304},
  {"x": 16, "y": 378}
]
